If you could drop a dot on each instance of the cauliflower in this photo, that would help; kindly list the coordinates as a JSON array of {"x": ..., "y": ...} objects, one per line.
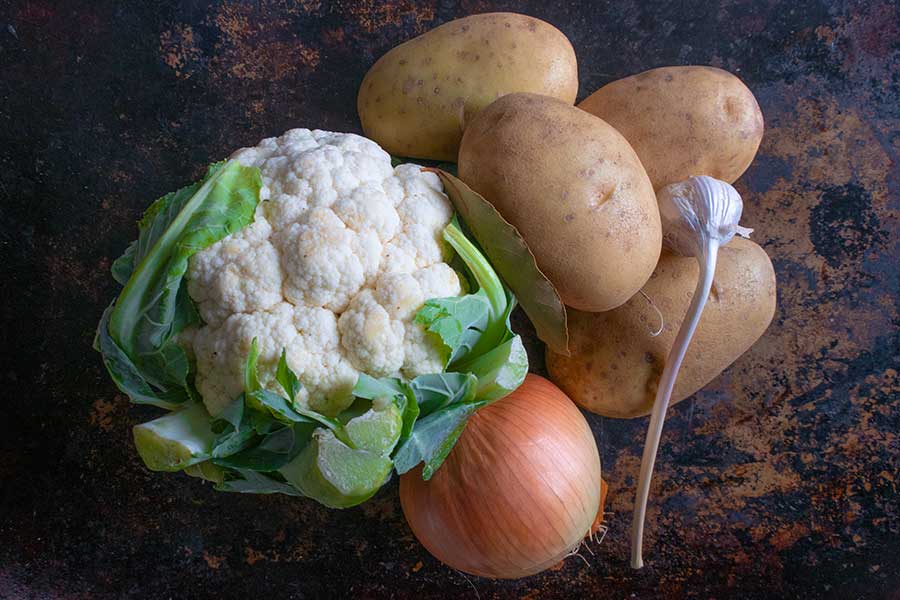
[
  {"x": 343, "y": 250},
  {"x": 304, "y": 275}
]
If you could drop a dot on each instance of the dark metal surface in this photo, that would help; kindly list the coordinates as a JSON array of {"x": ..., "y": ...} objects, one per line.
[{"x": 778, "y": 480}]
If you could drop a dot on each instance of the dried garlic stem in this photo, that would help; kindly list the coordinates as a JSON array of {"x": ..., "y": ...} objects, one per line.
[{"x": 664, "y": 394}]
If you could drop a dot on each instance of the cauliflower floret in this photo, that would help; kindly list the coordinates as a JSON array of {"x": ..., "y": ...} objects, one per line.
[
  {"x": 343, "y": 252},
  {"x": 393, "y": 189},
  {"x": 427, "y": 211},
  {"x": 239, "y": 274},
  {"x": 304, "y": 169},
  {"x": 416, "y": 181},
  {"x": 424, "y": 212},
  {"x": 372, "y": 339},
  {"x": 423, "y": 352},
  {"x": 398, "y": 257},
  {"x": 325, "y": 263},
  {"x": 439, "y": 281},
  {"x": 309, "y": 338},
  {"x": 399, "y": 294},
  {"x": 317, "y": 359},
  {"x": 417, "y": 246},
  {"x": 317, "y": 327},
  {"x": 329, "y": 384},
  {"x": 222, "y": 353},
  {"x": 369, "y": 209}
]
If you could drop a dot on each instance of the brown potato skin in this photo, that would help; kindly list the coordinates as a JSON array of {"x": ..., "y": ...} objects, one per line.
[
  {"x": 683, "y": 121},
  {"x": 574, "y": 189},
  {"x": 416, "y": 100},
  {"x": 616, "y": 363}
]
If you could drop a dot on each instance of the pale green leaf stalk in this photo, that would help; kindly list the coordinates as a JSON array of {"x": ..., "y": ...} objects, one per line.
[
  {"x": 176, "y": 440},
  {"x": 136, "y": 336}
]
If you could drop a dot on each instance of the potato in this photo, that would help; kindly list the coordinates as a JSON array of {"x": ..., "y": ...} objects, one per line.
[
  {"x": 683, "y": 121},
  {"x": 575, "y": 190},
  {"x": 416, "y": 100},
  {"x": 616, "y": 362}
]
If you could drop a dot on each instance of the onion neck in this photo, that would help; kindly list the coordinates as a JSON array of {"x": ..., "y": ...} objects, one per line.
[{"x": 707, "y": 261}]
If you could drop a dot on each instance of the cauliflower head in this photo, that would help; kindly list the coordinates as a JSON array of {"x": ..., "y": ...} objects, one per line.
[{"x": 343, "y": 251}]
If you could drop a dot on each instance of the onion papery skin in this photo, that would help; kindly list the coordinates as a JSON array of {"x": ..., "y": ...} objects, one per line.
[{"x": 519, "y": 491}]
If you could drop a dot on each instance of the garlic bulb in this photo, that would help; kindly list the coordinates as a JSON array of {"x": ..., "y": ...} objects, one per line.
[
  {"x": 698, "y": 210},
  {"x": 698, "y": 215}
]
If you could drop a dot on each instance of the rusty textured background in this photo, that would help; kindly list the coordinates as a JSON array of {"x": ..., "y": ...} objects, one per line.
[{"x": 777, "y": 481}]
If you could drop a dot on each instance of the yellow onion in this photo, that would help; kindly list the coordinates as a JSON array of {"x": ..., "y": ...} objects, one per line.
[{"x": 518, "y": 493}]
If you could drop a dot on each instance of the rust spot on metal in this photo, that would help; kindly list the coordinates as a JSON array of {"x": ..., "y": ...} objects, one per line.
[{"x": 179, "y": 50}]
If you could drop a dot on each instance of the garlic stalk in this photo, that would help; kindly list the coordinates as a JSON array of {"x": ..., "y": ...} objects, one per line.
[{"x": 698, "y": 216}]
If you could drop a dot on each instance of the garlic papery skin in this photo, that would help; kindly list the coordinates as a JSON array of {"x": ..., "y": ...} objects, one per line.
[
  {"x": 695, "y": 211},
  {"x": 698, "y": 216}
]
